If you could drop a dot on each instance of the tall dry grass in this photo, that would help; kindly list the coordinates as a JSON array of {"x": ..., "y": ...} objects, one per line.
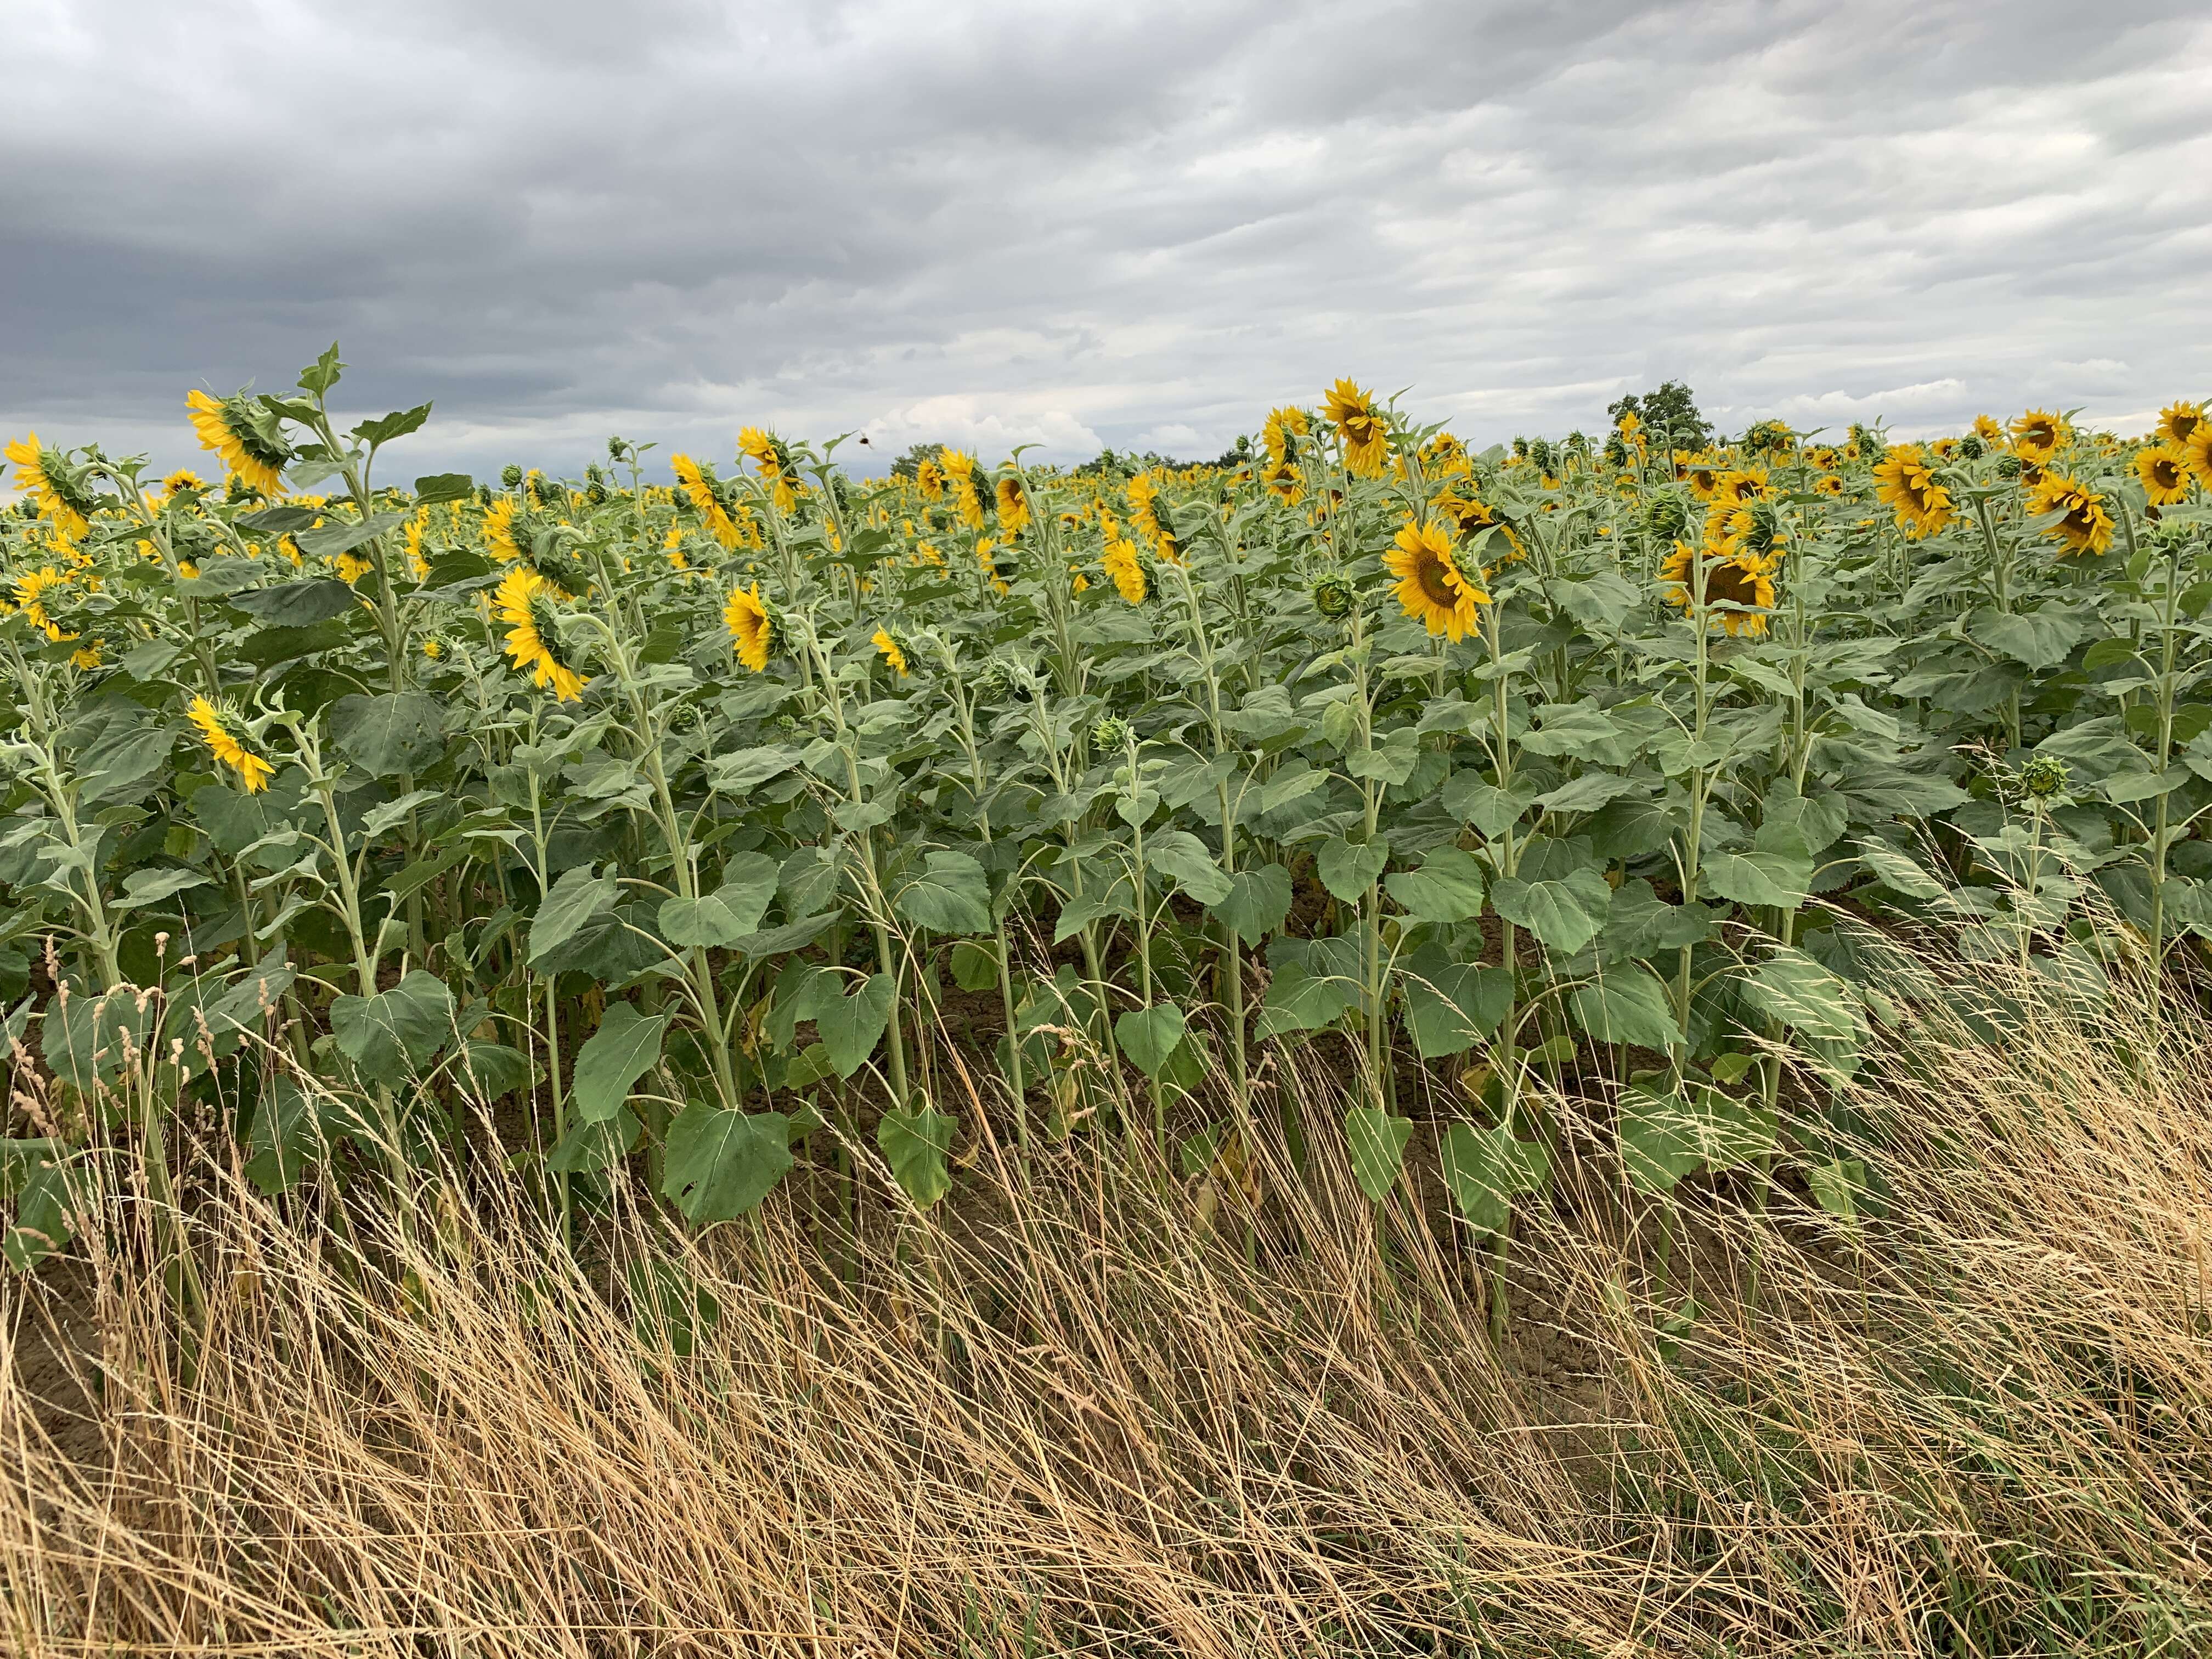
[{"x": 1084, "y": 1412}]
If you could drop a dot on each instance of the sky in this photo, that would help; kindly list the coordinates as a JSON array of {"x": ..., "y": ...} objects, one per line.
[{"x": 1075, "y": 226}]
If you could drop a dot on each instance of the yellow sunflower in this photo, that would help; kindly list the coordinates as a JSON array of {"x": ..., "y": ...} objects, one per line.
[
  {"x": 2164, "y": 470},
  {"x": 888, "y": 648},
  {"x": 766, "y": 452},
  {"x": 525, "y": 603},
  {"x": 1701, "y": 472},
  {"x": 1127, "y": 570},
  {"x": 1987, "y": 428},
  {"x": 1366, "y": 440},
  {"x": 498, "y": 531},
  {"x": 224, "y": 740},
  {"x": 32, "y": 590},
  {"x": 1145, "y": 508},
  {"x": 1013, "y": 505},
  {"x": 184, "y": 478},
  {"x": 1471, "y": 517},
  {"x": 960, "y": 475},
  {"x": 247, "y": 439},
  {"x": 1282, "y": 480},
  {"x": 39, "y": 472},
  {"x": 2178, "y": 421},
  {"x": 2037, "y": 435},
  {"x": 1735, "y": 487},
  {"x": 1904, "y": 482},
  {"x": 929, "y": 479},
  {"x": 1283, "y": 425},
  {"x": 1741, "y": 582},
  {"x": 1828, "y": 484},
  {"x": 1430, "y": 585},
  {"x": 753, "y": 630},
  {"x": 2086, "y": 527},
  {"x": 2196, "y": 450},
  {"x": 698, "y": 488}
]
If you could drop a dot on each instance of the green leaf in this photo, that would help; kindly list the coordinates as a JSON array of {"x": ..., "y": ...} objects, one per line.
[
  {"x": 1627, "y": 1005},
  {"x": 577, "y": 898},
  {"x": 440, "y": 487},
  {"x": 495, "y": 1069},
  {"x": 1149, "y": 1036},
  {"x": 1376, "y": 1139},
  {"x": 853, "y": 1026},
  {"x": 385, "y": 428},
  {"x": 722, "y": 1162},
  {"x": 975, "y": 964},
  {"x": 1183, "y": 858},
  {"x": 596, "y": 1144},
  {"x": 732, "y": 913},
  {"x": 150, "y": 886},
  {"x": 396, "y": 1031},
  {"x": 1591, "y": 791},
  {"x": 1793, "y": 988},
  {"x": 397, "y": 732},
  {"x": 2039, "y": 639},
  {"x": 1348, "y": 869},
  {"x": 624, "y": 1049},
  {"x": 333, "y": 539},
  {"x": 1447, "y": 887},
  {"x": 1450, "y": 1004},
  {"x": 1299, "y": 1002},
  {"x": 1838, "y": 1185},
  {"x": 86, "y": 1039},
  {"x": 918, "y": 1147},
  {"x": 1488, "y": 808},
  {"x": 1564, "y": 913},
  {"x": 951, "y": 896},
  {"x": 42, "y": 1222},
  {"x": 298, "y": 604},
  {"x": 1259, "y": 898},
  {"x": 1780, "y": 880},
  {"x": 1484, "y": 1170},
  {"x": 1894, "y": 871}
]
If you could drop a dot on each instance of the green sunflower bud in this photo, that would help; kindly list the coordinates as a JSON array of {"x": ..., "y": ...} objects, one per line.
[
  {"x": 1110, "y": 731},
  {"x": 1334, "y": 596},
  {"x": 2043, "y": 777}
]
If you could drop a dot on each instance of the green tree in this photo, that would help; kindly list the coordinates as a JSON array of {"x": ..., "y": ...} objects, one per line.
[{"x": 1671, "y": 408}]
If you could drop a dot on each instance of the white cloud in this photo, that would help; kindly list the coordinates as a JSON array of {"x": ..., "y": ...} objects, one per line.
[
  {"x": 991, "y": 433},
  {"x": 1182, "y": 442}
]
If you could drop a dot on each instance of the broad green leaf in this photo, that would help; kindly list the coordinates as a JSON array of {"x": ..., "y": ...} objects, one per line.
[
  {"x": 440, "y": 487},
  {"x": 918, "y": 1145},
  {"x": 854, "y": 1024},
  {"x": 951, "y": 896},
  {"x": 1183, "y": 858},
  {"x": 297, "y": 603},
  {"x": 1627, "y": 1005},
  {"x": 722, "y": 1162},
  {"x": 2041, "y": 639},
  {"x": 1259, "y": 898},
  {"x": 1591, "y": 791},
  {"x": 1450, "y": 1005},
  {"x": 1149, "y": 1036},
  {"x": 1299, "y": 1002},
  {"x": 397, "y": 732},
  {"x": 1793, "y": 988},
  {"x": 150, "y": 886},
  {"x": 1348, "y": 869},
  {"x": 1488, "y": 808},
  {"x": 624, "y": 1049},
  {"x": 596, "y": 1143},
  {"x": 1564, "y": 913},
  {"x": 1376, "y": 1139},
  {"x": 395, "y": 1032},
  {"x": 975, "y": 964},
  {"x": 1447, "y": 887},
  {"x": 1485, "y": 1170},
  {"x": 728, "y": 914},
  {"x": 577, "y": 898},
  {"x": 41, "y": 1223},
  {"x": 1898, "y": 873},
  {"x": 1780, "y": 880}
]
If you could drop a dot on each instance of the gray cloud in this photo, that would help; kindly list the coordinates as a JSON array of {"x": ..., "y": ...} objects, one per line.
[{"x": 995, "y": 224}]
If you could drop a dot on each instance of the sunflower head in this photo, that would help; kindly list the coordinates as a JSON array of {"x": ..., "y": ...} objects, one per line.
[
  {"x": 1366, "y": 437},
  {"x": 2163, "y": 472},
  {"x": 1282, "y": 480},
  {"x": 62, "y": 491},
  {"x": 2080, "y": 521},
  {"x": 2037, "y": 435},
  {"x": 1665, "y": 516},
  {"x": 2196, "y": 452},
  {"x": 2044, "y": 778},
  {"x": 1905, "y": 481},
  {"x": 1737, "y": 588},
  {"x": 1110, "y": 731},
  {"x": 1012, "y": 501},
  {"x": 230, "y": 743},
  {"x": 752, "y": 626},
  {"x": 929, "y": 479},
  {"x": 1333, "y": 595},
  {"x": 246, "y": 435},
  {"x": 1755, "y": 531},
  {"x": 1283, "y": 425},
  {"x": 889, "y": 648},
  {"x": 1126, "y": 568},
  {"x": 1431, "y": 586},
  {"x": 529, "y": 606},
  {"x": 2178, "y": 420}
]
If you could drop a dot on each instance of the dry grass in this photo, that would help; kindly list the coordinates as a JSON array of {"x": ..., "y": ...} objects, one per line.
[{"x": 1078, "y": 1417}]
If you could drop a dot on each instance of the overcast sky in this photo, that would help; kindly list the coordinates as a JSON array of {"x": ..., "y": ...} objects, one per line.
[{"x": 1134, "y": 224}]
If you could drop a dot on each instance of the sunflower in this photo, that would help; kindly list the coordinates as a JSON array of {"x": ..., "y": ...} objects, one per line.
[
  {"x": 1904, "y": 481},
  {"x": 2196, "y": 450},
  {"x": 417, "y": 565},
  {"x": 1735, "y": 487},
  {"x": 1701, "y": 472},
  {"x": 960, "y": 475},
  {"x": 2164, "y": 470},
  {"x": 1828, "y": 484},
  {"x": 525, "y": 603},
  {"x": 1127, "y": 570},
  {"x": 1752, "y": 531},
  {"x": 32, "y": 592},
  {"x": 1283, "y": 425},
  {"x": 1471, "y": 517},
  {"x": 2037, "y": 434},
  {"x": 1743, "y": 583},
  {"x": 1282, "y": 480},
  {"x": 499, "y": 531},
  {"x": 223, "y": 736},
  {"x": 1446, "y": 457},
  {"x": 184, "y": 479},
  {"x": 888, "y": 648},
  {"x": 60, "y": 497},
  {"x": 1013, "y": 504},
  {"x": 1366, "y": 438},
  {"x": 766, "y": 450},
  {"x": 1430, "y": 585},
  {"x": 2086, "y": 527},
  {"x": 1987, "y": 428},
  {"x": 929, "y": 479},
  {"x": 1145, "y": 508},
  {"x": 245, "y": 436},
  {"x": 2177, "y": 420},
  {"x": 752, "y": 630},
  {"x": 697, "y": 484}
]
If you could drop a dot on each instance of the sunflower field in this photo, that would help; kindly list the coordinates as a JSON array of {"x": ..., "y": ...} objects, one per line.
[{"x": 782, "y": 821}]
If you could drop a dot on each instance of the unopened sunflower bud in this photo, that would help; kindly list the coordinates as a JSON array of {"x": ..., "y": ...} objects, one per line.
[
  {"x": 1665, "y": 515},
  {"x": 1334, "y": 596},
  {"x": 511, "y": 476},
  {"x": 1110, "y": 731},
  {"x": 2043, "y": 777}
]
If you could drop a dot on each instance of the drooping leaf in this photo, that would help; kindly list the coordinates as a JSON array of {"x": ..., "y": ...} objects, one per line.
[
  {"x": 1259, "y": 898},
  {"x": 951, "y": 895},
  {"x": 386, "y": 735},
  {"x": 1627, "y": 1005},
  {"x": 1184, "y": 858},
  {"x": 854, "y": 1024},
  {"x": 1149, "y": 1036},
  {"x": 395, "y": 1032},
  {"x": 1348, "y": 869},
  {"x": 624, "y": 1049},
  {"x": 579, "y": 897},
  {"x": 1447, "y": 887},
  {"x": 1485, "y": 1170},
  {"x": 721, "y": 1163},
  {"x": 1376, "y": 1139},
  {"x": 918, "y": 1145}
]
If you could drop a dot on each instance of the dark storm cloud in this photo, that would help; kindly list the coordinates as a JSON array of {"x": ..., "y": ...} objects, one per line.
[{"x": 1139, "y": 223}]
